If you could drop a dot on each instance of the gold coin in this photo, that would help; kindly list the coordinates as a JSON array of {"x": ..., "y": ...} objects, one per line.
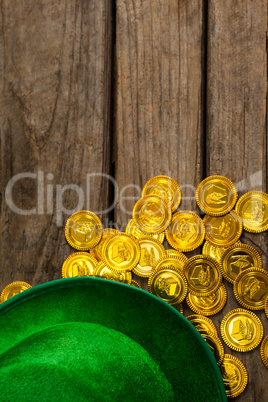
[
  {"x": 164, "y": 187},
  {"x": 103, "y": 271},
  {"x": 83, "y": 230},
  {"x": 214, "y": 251},
  {"x": 186, "y": 231},
  {"x": 216, "y": 195},
  {"x": 223, "y": 231},
  {"x": 203, "y": 275},
  {"x": 208, "y": 305},
  {"x": 241, "y": 330},
  {"x": 251, "y": 288},
  {"x": 152, "y": 214},
  {"x": 266, "y": 307},
  {"x": 13, "y": 289},
  {"x": 253, "y": 209},
  {"x": 175, "y": 253},
  {"x": 237, "y": 258},
  {"x": 125, "y": 277},
  {"x": 264, "y": 351},
  {"x": 121, "y": 252},
  {"x": 79, "y": 264},
  {"x": 167, "y": 261},
  {"x": 151, "y": 251},
  {"x": 215, "y": 345},
  {"x": 97, "y": 250},
  {"x": 234, "y": 375},
  {"x": 135, "y": 284},
  {"x": 133, "y": 230},
  {"x": 202, "y": 323},
  {"x": 169, "y": 284}
]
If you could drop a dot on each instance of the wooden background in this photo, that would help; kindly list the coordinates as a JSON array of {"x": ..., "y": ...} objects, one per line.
[{"x": 131, "y": 89}]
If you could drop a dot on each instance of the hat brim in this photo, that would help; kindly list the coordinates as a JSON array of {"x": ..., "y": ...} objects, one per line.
[{"x": 95, "y": 339}]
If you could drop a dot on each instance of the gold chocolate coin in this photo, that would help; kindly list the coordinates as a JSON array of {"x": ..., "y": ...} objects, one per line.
[
  {"x": 223, "y": 231},
  {"x": 79, "y": 264},
  {"x": 13, "y": 289},
  {"x": 175, "y": 253},
  {"x": 215, "y": 252},
  {"x": 97, "y": 250},
  {"x": 253, "y": 209},
  {"x": 251, "y": 288},
  {"x": 83, "y": 230},
  {"x": 164, "y": 187},
  {"x": 103, "y": 271},
  {"x": 121, "y": 252},
  {"x": 208, "y": 305},
  {"x": 151, "y": 251},
  {"x": 264, "y": 351},
  {"x": 132, "y": 229},
  {"x": 135, "y": 284},
  {"x": 216, "y": 195},
  {"x": 169, "y": 284},
  {"x": 241, "y": 330},
  {"x": 152, "y": 214},
  {"x": 215, "y": 345},
  {"x": 167, "y": 261},
  {"x": 203, "y": 275},
  {"x": 236, "y": 259},
  {"x": 234, "y": 375},
  {"x": 186, "y": 231},
  {"x": 202, "y": 323}
]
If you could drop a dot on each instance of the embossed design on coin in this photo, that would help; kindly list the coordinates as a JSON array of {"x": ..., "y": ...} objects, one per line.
[
  {"x": 151, "y": 252},
  {"x": 169, "y": 284},
  {"x": 253, "y": 209},
  {"x": 238, "y": 258},
  {"x": 97, "y": 250},
  {"x": 13, "y": 289},
  {"x": 83, "y": 230},
  {"x": 208, "y": 305},
  {"x": 203, "y": 275},
  {"x": 163, "y": 187},
  {"x": 214, "y": 251},
  {"x": 186, "y": 231},
  {"x": 216, "y": 195},
  {"x": 234, "y": 375},
  {"x": 121, "y": 252},
  {"x": 202, "y": 323},
  {"x": 251, "y": 288},
  {"x": 241, "y": 330},
  {"x": 133, "y": 230},
  {"x": 79, "y": 264},
  {"x": 152, "y": 214},
  {"x": 223, "y": 231}
]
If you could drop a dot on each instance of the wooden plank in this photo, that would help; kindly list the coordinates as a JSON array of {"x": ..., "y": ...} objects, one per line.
[
  {"x": 55, "y": 90},
  {"x": 159, "y": 104},
  {"x": 236, "y": 128}
]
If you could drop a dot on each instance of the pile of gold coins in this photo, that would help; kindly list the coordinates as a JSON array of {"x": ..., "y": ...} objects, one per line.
[{"x": 114, "y": 255}]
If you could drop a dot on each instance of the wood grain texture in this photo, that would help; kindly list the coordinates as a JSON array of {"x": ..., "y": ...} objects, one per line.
[
  {"x": 236, "y": 129},
  {"x": 159, "y": 97},
  {"x": 55, "y": 92}
]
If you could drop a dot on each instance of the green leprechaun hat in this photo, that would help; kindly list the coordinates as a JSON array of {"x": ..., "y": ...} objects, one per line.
[{"x": 91, "y": 339}]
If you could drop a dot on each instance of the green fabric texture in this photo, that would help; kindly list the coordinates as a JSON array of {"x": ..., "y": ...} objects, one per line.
[{"x": 89, "y": 339}]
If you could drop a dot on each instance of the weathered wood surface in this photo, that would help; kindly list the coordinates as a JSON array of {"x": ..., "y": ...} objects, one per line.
[
  {"x": 133, "y": 89},
  {"x": 55, "y": 100}
]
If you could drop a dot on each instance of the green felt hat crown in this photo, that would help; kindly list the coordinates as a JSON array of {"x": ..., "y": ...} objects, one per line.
[{"x": 84, "y": 339}]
